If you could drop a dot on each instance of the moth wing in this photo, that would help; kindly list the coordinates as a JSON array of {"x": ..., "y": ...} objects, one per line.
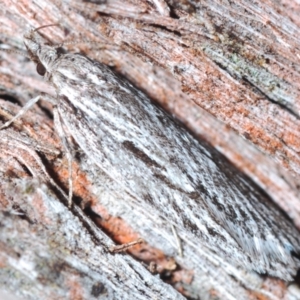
[{"x": 157, "y": 161}]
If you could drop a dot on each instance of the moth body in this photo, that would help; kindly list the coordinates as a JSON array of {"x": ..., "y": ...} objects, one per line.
[{"x": 157, "y": 161}]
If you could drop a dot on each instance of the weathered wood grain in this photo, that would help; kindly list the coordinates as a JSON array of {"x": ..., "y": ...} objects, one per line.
[{"x": 229, "y": 72}]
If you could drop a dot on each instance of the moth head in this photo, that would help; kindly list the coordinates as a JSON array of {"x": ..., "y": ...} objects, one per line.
[{"x": 39, "y": 50}]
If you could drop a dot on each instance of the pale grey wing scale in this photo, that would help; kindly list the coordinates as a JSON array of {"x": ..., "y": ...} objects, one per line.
[{"x": 157, "y": 161}]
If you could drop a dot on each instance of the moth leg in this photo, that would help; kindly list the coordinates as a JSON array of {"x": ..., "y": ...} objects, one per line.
[
  {"x": 66, "y": 144},
  {"x": 178, "y": 241},
  {"x": 14, "y": 143},
  {"x": 124, "y": 247},
  {"x": 21, "y": 112},
  {"x": 26, "y": 107}
]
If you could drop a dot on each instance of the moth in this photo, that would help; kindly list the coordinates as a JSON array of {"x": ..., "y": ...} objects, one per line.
[{"x": 155, "y": 159}]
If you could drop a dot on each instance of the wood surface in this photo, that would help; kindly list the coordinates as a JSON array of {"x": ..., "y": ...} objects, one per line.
[{"x": 229, "y": 71}]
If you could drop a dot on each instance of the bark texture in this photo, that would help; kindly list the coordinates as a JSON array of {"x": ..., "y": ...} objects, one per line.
[{"x": 228, "y": 70}]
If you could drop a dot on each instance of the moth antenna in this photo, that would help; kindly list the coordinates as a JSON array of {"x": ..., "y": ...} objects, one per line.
[
  {"x": 42, "y": 27},
  {"x": 24, "y": 53},
  {"x": 106, "y": 46},
  {"x": 45, "y": 26},
  {"x": 66, "y": 43}
]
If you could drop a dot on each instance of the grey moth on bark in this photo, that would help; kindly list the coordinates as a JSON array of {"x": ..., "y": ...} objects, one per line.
[{"x": 155, "y": 159}]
